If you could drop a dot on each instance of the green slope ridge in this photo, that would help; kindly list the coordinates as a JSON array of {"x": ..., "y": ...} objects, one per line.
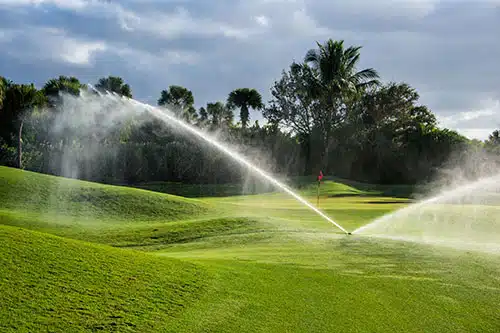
[
  {"x": 52, "y": 284},
  {"x": 85, "y": 210},
  {"x": 112, "y": 215},
  {"x": 44, "y": 194}
]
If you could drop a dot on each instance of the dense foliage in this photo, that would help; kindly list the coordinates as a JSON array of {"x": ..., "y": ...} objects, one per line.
[{"x": 324, "y": 114}]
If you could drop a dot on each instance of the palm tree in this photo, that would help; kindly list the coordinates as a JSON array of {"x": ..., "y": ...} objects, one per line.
[
  {"x": 114, "y": 84},
  {"x": 336, "y": 70},
  {"x": 220, "y": 114},
  {"x": 181, "y": 100},
  {"x": 63, "y": 84},
  {"x": 336, "y": 83},
  {"x": 245, "y": 98}
]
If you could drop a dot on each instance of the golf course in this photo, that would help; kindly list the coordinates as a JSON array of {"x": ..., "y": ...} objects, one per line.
[
  {"x": 249, "y": 166},
  {"x": 85, "y": 257}
]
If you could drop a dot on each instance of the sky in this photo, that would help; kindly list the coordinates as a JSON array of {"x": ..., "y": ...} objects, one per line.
[{"x": 448, "y": 50}]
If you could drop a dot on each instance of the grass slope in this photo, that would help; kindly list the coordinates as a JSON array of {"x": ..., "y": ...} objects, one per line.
[
  {"x": 37, "y": 193},
  {"x": 49, "y": 284},
  {"x": 80, "y": 209}
]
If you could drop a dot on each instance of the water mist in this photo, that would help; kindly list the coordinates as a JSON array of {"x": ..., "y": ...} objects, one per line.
[
  {"x": 118, "y": 107},
  {"x": 464, "y": 216}
]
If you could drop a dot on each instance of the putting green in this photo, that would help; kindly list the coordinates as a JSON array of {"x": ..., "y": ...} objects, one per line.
[{"x": 256, "y": 263}]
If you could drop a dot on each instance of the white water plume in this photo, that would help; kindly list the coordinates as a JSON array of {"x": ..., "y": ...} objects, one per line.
[
  {"x": 466, "y": 217},
  {"x": 169, "y": 118},
  {"x": 80, "y": 118}
]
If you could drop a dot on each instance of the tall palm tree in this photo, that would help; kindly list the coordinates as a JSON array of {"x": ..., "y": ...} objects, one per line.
[
  {"x": 114, "y": 84},
  {"x": 245, "y": 98},
  {"x": 336, "y": 68},
  {"x": 336, "y": 84}
]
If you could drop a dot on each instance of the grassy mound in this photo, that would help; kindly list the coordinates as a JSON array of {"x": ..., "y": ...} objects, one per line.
[
  {"x": 204, "y": 190},
  {"x": 47, "y": 281},
  {"x": 331, "y": 189},
  {"x": 112, "y": 215},
  {"x": 157, "y": 236},
  {"x": 23, "y": 190}
]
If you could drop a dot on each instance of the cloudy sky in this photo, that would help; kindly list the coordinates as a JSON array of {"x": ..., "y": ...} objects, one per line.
[{"x": 448, "y": 50}]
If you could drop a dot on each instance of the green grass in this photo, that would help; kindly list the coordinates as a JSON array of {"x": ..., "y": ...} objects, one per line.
[
  {"x": 330, "y": 186},
  {"x": 53, "y": 284},
  {"x": 202, "y": 190},
  {"x": 73, "y": 208},
  {"x": 27, "y": 191},
  {"x": 134, "y": 260}
]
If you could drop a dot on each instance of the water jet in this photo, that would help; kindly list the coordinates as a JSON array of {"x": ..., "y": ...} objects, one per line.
[
  {"x": 464, "y": 217},
  {"x": 169, "y": 118}
]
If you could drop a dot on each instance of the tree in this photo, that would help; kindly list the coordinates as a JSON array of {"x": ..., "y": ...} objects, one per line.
[
  {"x": 394, "y": 105},
  {"x": 63, "y": 84},
  {"x": 114, "y": 84},
  {"x": 335, "y": 67},
  {"x": 180, "y": 100},
  {"x": 20, "y": 99},
  {"x": 203, "y": 114},
  {"x": 294, "y": 108},
  {"x": 3, "y": 89},
  {"x": 384, "y": 131},
  {"x": 337, "y": 83},
  {"x": 244, "y": 98},
  {"x": 494, "y": 138},
  {"x": 202, "y": 118},
  {"x": 219, "y": 113},
  {"x": 492, "y": 144}
]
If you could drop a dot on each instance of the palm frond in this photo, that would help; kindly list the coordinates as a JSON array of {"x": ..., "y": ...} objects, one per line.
[{"x": 366, "y": 74}]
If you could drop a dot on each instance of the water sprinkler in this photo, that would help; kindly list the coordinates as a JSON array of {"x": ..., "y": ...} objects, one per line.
[
  {"x": 169, "y": 118},
  {"x": 349, "y": 233}
]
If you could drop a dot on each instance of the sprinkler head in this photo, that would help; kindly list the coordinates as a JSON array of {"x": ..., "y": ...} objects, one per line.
[{"x": 349, "y": 233}]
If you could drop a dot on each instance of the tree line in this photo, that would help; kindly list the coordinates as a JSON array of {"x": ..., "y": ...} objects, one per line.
[{"x": 324, "y": 114}]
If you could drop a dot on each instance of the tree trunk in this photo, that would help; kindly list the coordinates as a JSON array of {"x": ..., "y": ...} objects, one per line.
[
  {"x": 306, "y": 147},
  {"x": 244, "y": 115},
  {"x": 20, "y": 146}
]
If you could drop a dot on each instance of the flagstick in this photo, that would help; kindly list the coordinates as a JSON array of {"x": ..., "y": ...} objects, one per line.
[{"x": 319, "y": 182}]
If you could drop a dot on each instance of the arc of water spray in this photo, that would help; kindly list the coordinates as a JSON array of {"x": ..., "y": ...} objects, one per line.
[
  {"x": 448, "y": 194},
  {"x": 167, "y": 117}
]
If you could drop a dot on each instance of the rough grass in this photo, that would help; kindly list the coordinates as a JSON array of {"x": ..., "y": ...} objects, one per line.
[{"x": 255, "y": 263}]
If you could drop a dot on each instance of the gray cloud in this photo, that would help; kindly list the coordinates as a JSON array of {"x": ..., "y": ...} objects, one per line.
[{"x": 448, "y": 50}]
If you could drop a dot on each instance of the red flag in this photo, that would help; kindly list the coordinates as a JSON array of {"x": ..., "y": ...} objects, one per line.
[{"x": 320, "y": 177}]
